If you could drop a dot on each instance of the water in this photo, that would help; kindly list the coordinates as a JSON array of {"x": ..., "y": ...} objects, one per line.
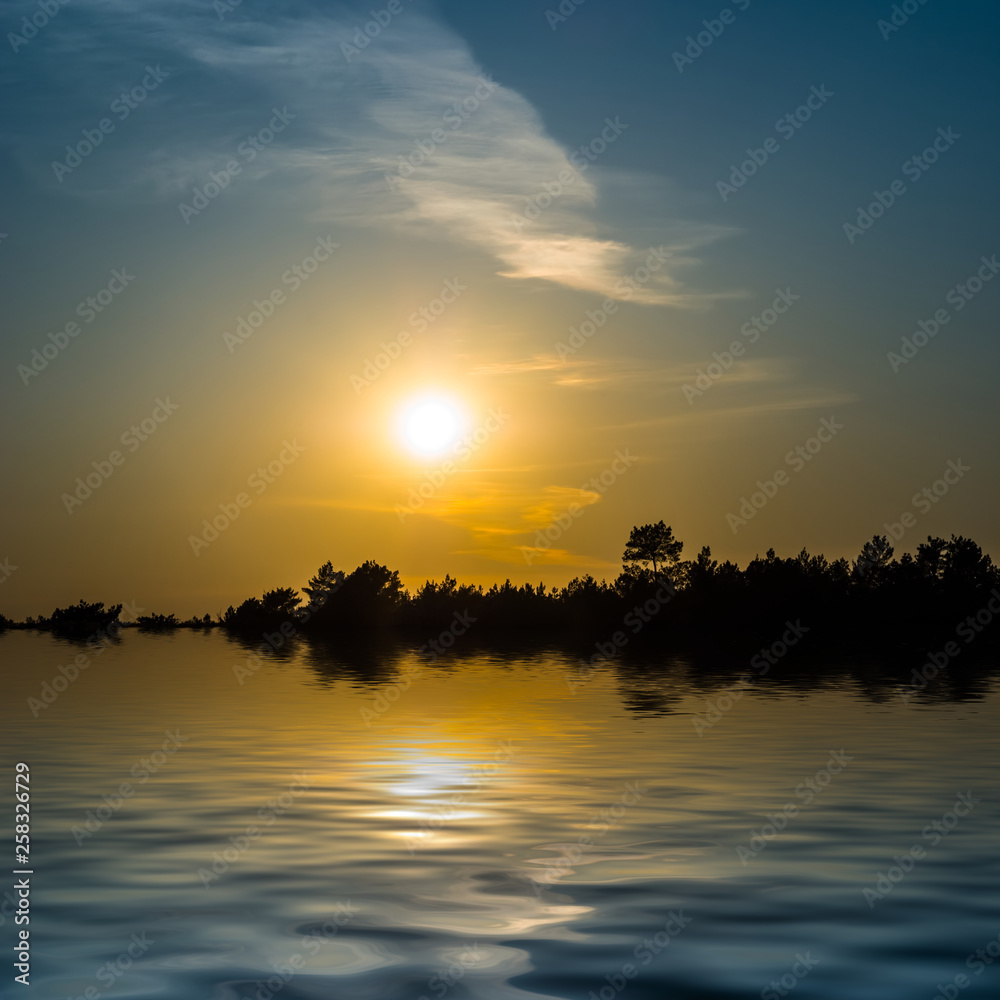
[{"x": 430, "y": 845}]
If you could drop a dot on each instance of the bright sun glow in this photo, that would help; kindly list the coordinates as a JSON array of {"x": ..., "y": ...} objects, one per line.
[{"x": 431, "y": 425}]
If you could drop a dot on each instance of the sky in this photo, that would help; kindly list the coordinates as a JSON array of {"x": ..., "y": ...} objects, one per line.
[{"x": 475, "y": 288}]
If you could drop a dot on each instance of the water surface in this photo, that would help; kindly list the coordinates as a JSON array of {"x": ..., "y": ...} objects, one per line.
[{"x": 382, "y": 828}]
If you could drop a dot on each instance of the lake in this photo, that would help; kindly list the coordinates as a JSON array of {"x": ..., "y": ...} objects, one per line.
[{"x": 322, "y": 825}]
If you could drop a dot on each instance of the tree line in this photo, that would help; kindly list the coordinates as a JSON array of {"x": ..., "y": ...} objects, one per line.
[{"x": 876, "y": 598}]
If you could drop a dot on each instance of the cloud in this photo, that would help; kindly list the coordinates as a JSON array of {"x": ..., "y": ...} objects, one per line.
[
  {"x": 465, "y": 155},
  {"x": 723, "y": 411},
  {"x": 753, "y": 387},
  {"x": 408, "y": 133},
  {"x": 628, "y": 373},
  {"x": 541, "y": 558},
  {"x": 492, "y": 511}
]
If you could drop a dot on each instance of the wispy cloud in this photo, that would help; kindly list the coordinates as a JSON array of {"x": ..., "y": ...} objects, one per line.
[
  {"x": 628, "y": 373},
  {"x": 497, "y": 180},
  {"x": 409, "y": 133},
  {"x": 753, "y": 387}
]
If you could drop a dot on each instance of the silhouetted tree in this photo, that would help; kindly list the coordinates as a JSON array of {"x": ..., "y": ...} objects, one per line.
[
  {"x": 931, "y": 558},
  {"x": 966, "y": 565},
  {"x": 270, "y": 611},
  {"x": 871, "y": 568},
  {"x": 372, "y": 594},
  {"x": 435, "y": 603},
  {"x": 652, "y": 543},
  {"x": 322, "y": 586}
]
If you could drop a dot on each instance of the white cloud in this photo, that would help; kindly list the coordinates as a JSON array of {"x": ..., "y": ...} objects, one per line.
[{"x": 489, "y": 165}]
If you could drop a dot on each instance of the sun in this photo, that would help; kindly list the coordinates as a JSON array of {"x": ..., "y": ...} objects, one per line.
[{"x": 431, "y": 424}]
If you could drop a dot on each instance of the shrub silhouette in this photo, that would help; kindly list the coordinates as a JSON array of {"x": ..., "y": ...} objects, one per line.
[
  {"x": 83, "y": 618},
  {"x": 157, "y": 623}
]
